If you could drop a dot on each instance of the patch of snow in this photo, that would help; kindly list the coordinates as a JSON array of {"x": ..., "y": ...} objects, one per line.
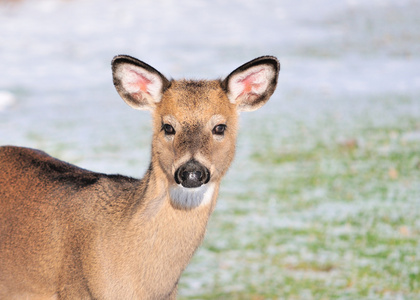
[
  {"x": 7, "y": 99},
  {"x": 413, "y": 136}
]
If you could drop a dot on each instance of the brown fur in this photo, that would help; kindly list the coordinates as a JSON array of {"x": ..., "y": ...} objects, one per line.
[{"x": 69, "y": 233}]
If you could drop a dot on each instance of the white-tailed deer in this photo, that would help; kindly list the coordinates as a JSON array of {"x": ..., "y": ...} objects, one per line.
[{"x": 69, "y": 233}]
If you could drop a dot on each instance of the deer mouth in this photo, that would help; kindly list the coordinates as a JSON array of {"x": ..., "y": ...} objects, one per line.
[{"x": 192, "y": 174}]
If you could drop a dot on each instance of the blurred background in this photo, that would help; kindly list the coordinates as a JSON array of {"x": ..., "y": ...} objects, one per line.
[{"x": 323, "y": 199}]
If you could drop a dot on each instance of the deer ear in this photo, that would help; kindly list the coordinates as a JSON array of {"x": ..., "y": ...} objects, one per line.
[
  {"x": 140, "y": 85},
  {"x": 252, "y": 84}
]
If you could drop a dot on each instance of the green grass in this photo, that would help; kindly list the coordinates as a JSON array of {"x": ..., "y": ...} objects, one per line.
[{"x": 328, "y": 212}]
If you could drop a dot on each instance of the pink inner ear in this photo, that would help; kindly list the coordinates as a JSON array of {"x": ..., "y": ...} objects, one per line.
[
  {"x": 249, "y": 83},
  {"x": 139, "y": 82},
  {"x": 253, "y": 83}
]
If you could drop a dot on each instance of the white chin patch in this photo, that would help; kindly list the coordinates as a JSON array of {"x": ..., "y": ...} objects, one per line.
[{"x": 188, "y": 198}]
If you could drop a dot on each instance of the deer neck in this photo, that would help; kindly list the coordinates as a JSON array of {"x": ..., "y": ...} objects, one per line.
[
  {"x": 157, "y": 209},
  {"x": 163, "y": 234}
]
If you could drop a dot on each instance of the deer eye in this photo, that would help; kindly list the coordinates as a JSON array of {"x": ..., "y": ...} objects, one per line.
[
  {"x": 219, "y": 129},
  {"x": 168, "y": 129}
]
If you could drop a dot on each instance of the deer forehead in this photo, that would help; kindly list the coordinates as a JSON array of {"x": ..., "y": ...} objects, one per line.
[{"x": 195, "y": 102}]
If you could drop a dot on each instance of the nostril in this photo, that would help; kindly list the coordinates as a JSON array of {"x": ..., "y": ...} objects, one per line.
[
  {"x": 184, "y": 176},
  {"x": 206, "y": 176},
  {"x": 179, "y": 176}
]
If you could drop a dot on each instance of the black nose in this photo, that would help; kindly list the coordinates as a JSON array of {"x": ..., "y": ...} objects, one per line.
[{"x": 192, "y": 174}]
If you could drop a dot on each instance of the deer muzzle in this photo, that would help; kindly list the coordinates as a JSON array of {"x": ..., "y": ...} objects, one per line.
[{"x": 192, "y": 174}]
